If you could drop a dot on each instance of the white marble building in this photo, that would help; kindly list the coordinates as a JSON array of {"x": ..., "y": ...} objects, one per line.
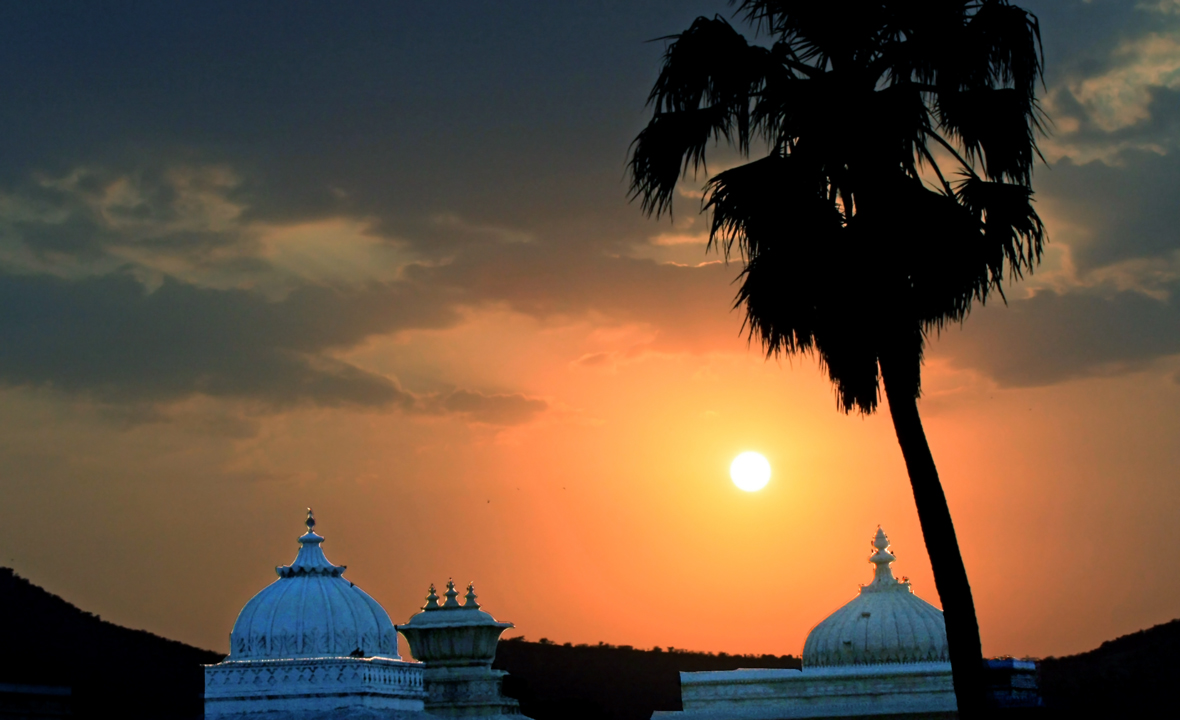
[
  {"x": 882, "y": 654},
  {"x": 314, "y": 646},
  {"x": 457, "y": 643}
]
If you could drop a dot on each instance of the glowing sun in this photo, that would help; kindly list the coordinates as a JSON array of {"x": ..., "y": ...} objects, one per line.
[{"x": 750, "y": 471}]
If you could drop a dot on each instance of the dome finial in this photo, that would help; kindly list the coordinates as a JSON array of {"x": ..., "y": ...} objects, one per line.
[
  {"x": 431, "y": 600},
  {"x": 469, "y": 598},
  {"x": 309, "y": 537},
  {"x": 882, "y": 559},
  {"x": 451, "y": 594}
]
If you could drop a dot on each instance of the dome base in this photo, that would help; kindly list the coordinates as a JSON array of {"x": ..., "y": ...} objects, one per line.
[
  {"x": 309, "y": 687},
  {"x": 350, "y": 713},
  {"x": 911, "y": 690}
]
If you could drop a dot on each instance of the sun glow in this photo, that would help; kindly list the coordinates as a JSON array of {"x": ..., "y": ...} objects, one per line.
[{"x": 750, "y": 471}]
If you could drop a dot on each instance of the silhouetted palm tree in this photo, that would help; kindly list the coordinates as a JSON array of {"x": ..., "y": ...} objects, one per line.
[{"x": 856, "y": 241}]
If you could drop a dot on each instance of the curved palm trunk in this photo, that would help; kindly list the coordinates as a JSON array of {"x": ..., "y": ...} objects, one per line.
[{"x": 950, "y": 577}]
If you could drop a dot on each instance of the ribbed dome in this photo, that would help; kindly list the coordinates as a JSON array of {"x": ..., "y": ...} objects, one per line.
[
  {"x": 312, "y": 611},
  {"x": 885, "y": 623}
]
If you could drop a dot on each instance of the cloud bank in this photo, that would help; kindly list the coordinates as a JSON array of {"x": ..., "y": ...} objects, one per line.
[{"x": 227, "y": 208}]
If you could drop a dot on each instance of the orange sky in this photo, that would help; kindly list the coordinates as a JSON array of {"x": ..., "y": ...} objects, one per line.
[
  {"x": 610, "y": 516},
  {"x": 380, "y": 261}
]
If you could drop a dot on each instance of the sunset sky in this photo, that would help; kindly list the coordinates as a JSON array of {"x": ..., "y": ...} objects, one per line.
[{"x": 378, "y": 259}]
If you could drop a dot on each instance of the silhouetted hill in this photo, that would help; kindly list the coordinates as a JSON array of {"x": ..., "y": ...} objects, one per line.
[
  {"x": 1132, "y": 676},
  {"x": 607, "y": 682},
  {"x": 133, "y": 674},
  {"x": 113, "y": 671}
]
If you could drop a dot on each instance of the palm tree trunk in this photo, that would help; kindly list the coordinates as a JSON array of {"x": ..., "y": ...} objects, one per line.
[{"x": 950, "y": 577}]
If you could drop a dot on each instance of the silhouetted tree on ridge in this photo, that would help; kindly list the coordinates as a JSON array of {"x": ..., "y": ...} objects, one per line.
[{"x": 855, "y": 242}]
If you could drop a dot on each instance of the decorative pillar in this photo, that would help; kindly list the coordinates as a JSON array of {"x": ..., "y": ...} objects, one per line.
[{"x": 457, "y": 644}]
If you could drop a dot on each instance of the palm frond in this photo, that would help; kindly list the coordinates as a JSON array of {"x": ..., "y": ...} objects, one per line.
[
  {"x": 702, "y": 95},
  {"x": 901, "y": 124},
  {"x": 1005, "y": 45},
  {"x": 777, "y": 200},
  {"x": 665, "y": 150},
  {"x": 849, "y": 355},
  {"x": 996, "y": 126},
  {"x": 822, "y": 33},
  {"x": 1010, "y": 222},
  {"x": 710, "y": 64}
]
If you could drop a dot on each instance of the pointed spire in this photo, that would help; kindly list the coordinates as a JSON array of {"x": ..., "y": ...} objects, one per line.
[
  {"x": 469, "y": 598},
  {"x": 882, "y": 559},
  {"x": 431, "y": 600},
  {"x": 310, "y": 560},
  {"x": 310, "y": 536},
  {"x": 451, "y": 594}
]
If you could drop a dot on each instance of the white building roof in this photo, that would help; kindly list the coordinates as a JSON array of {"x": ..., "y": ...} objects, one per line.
[
  {"x": 885, "y": 623},
  {"x": 312, "y": 611}
]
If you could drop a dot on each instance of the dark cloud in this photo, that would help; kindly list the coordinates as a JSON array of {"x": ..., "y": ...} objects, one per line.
[
  {"x": 552, "y": 280},
  {"x": 495, "y": 409},
  {"x": 512, "y": 115},
  {"x": 1125, "y": 210},
  {"x": 489, "y": 139},
  {"x": 1053, "y": 337},
  {"x": 109, "y": 337},
  {"x": 1081, "y": 36},
  {"x": 187, "y": 213},
  {"x": 1103, "y": 59}
]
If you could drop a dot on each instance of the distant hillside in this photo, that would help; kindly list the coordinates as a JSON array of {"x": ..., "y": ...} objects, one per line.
[
  {"x": 135, "y": 675},
  {"x": 1132, "y": 676},
  {"x": 113, "y": 671},
  {"x": 607, "y": 682}
]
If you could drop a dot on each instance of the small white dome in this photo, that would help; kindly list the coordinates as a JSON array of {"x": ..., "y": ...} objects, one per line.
[
  {"x": 885, "y": 623},
  {"x": 312, "y": 611}
]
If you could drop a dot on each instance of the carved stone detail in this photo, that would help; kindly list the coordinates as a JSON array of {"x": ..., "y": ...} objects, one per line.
[{"x": 313, "y": 684}]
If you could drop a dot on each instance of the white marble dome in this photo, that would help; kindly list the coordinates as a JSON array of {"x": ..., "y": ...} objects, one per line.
[
  {"x": 885, "y": 623},
  {"x": 312, "y": 611}
]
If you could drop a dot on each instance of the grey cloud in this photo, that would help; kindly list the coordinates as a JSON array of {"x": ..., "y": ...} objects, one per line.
[
  {"x": 494, "y": 409},
  {"x": 512, "y": 116},
  {"x": 549, "y": 280},
  {"x": 108, "y": 337},
  {"x": 1157, "y": 132},
  {"x": 1118, "y": 211},
  {"x": 1128, "y": 210},
  {"x": 492, "y": 140},
  {"x": 187, "y": 213},
  {"x": 1053, "y": 337},
  {"x": 1104, "y": 58}
]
